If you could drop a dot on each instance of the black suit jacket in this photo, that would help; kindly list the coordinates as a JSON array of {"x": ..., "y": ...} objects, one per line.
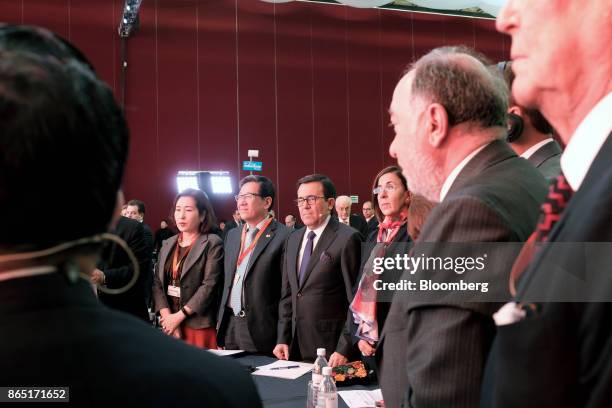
[
  {"x": 372, "y": 225},
  {"x": 560, "y": 356},
  {"x": 61, "y": 336},
  {"x": 201, "y": 279},
  {"x": 261, "y": 287},
  {"x": 118, "y": 269},
  {"x": 547, "y": 159},
  {"x": 359, "y": 223},
  {"x": 315, "y": 311},
  {"x": 434, "y": 353}
]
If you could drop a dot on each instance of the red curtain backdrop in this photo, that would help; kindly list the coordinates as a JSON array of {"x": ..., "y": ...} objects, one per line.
[{"x": 307, "y": 84}]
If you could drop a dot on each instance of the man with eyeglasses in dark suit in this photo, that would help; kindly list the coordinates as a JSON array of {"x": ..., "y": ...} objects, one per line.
[{"x": 319, "y": 270}]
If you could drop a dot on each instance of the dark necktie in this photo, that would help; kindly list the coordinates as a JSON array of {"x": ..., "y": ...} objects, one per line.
[
  {"x": 306, "y": 257},
  {"x": 551, "y": 210}
]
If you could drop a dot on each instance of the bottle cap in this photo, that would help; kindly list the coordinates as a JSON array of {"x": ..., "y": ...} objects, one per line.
[
  {"x": 327, "y": 370},
  {"x": 321, "y": 352}
]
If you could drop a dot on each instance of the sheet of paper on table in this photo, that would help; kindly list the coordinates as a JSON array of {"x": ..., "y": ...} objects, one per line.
[
  {"x": 288, "y": 373},
  {"x": 226, "y": 352},
  {"x": 361, "y": 398}
]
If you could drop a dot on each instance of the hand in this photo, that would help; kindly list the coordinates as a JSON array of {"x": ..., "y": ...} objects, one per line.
[
  {"x": 171, "y": 321},
  {"x": 337, "y": 359},
  {"x": 177, "y": 333},
  {"x": 281, "y": 351},
  {"x": 97, "y": 277},
  {"x": 366, "y": 348}
]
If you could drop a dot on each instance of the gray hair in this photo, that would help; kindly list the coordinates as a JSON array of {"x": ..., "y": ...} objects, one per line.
[{"x": 458, "y": 79}]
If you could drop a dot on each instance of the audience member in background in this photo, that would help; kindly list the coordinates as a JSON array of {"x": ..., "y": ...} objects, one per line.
[
  {"x": 530, "y": 134},
  {"x": 124, "y": 210},
  {"x": 58, "y": 117},
  {"x": 136, "y": 211},
  {"x": 419, "y": 210},
  {"x": 449, "y": 116},
  {"x": 343, "y": 209},
  {"x": 115, "y": 270},
  {"x": 320, "y": 267},
  {"x": 368, "y": 312},
  {"x": 189, "y": 275},
  {"x": 290, "y": 222},
  {"x": 370, "y": 217},
  {"x": 163, "y": 233},
  {"x": 559, "y": 355},
  {"x": 236, "y": 222},
  {"x": 248, "y": 317}
]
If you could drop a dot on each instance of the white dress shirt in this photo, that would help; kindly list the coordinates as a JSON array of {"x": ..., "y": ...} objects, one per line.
[
  {"x": 448, "y": 183},
  {"x": 318, "y": 233},
  {"x": 586, "y": 142}
]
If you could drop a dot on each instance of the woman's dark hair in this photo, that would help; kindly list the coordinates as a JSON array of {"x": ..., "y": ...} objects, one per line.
[
  {"x": 204, "y": 207},
  {"x": 391, "y": 169}
]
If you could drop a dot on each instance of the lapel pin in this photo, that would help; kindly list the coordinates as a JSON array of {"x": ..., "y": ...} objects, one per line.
[{"x": 267, "y": 235}]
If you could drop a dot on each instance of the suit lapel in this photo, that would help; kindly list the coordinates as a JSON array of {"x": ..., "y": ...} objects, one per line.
[
  {"x": 164, "y": 252},
  {"x": 194, "y": 254},
  {"x": 232, "y": 248},
  {"x": 293, "y": 254},
  {"x": 263, "y": 242},
  {"x": 328, "y": 236}
]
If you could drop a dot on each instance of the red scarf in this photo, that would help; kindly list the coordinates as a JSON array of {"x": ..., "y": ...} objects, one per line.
[{"x": 363, "y": 305}]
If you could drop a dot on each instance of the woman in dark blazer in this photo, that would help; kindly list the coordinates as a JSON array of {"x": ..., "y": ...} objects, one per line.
[
  {"x": 391, "y": 199},
  {"x": 189, "y": 275}
]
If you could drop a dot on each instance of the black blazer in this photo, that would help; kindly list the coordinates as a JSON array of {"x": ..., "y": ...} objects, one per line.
[
  {"x": 434, "y": 352},
  {"x": 547, "y": 159},
  {"x": 61, "y": 336},
  {"x": 261, "y": 287},
  {"x": 372, "y": 226},
  {"x": 118, "y": 269},
  {"x": 315, "y": 312},
  {"x": 201, "y": 280},
  {"x": 559, "y": 356}
]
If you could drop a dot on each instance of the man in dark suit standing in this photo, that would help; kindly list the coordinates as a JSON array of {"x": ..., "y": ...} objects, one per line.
[
  {"x": 116, "y": 270},
  {"x": 58, "y": 117},
  {"x": 234, "y": 223},
  {"x": 449, "y": 117},
  {"x": 343, "y": 209},
  {"x": 370, "y": 217},
  {"x": 558, "y": 355},
  {"x": 319, "y": 270},
  {"x": 248, "y": 317},
  {"x": 136, "y": 211},
  {"x": 530, "y": 134}
]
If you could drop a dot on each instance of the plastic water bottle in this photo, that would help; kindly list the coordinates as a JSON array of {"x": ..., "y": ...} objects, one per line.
[
  {"x": 327, "y": 396},
  {"x": 317, "y": 375}
]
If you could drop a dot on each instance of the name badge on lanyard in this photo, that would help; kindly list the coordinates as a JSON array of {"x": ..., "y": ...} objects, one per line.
[{"x": 174, "y": 291}]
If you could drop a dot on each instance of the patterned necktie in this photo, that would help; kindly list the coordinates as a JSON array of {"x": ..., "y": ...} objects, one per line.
[
  {"x": 559, "y": 194},
  {"x": 306, "y": 257},
  {"x": 236, "y": 295}
]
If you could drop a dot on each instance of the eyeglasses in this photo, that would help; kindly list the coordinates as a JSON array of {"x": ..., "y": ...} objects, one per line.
[
  {"x": 310, "y": 200},
  {"x": 389, "y": 188},
  {"x": 247, "y": 196}
]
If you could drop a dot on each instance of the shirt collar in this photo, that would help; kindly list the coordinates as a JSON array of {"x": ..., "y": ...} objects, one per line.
[
  {"x": 321, "y": 227},
  {"x": 448, "y": 183},
  {"x": 259, "y": 225},
  {"x": 529, "y": 152},
  {"x": 586, "y": 142}
]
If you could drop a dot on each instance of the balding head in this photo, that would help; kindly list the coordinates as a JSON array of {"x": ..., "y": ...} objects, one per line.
[{"x": 446, "y": 106}]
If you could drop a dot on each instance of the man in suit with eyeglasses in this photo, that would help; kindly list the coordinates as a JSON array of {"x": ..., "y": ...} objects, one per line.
[
  {"x": 319, "y": 270},
  {"x": 248, "y": 316}
]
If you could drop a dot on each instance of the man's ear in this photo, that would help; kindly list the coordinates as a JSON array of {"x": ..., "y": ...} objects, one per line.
[
  {"x": 331, "y": 203},
  {"x": 437, "y": 124},
  {"x": 517, "y": 110},
  {"x": 268, "y": 203}
]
